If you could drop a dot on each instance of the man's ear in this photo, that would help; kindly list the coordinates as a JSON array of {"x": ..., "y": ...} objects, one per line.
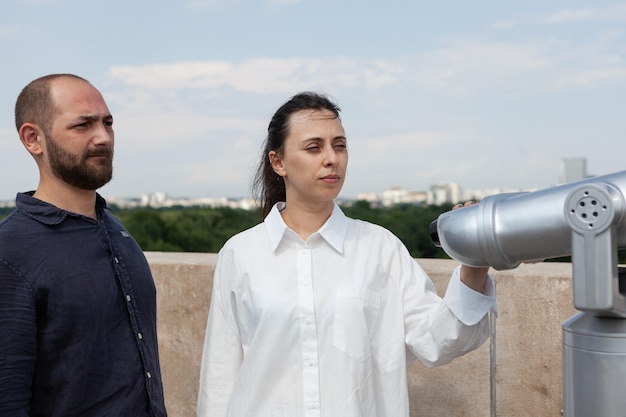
[
  {"x": 32, "y": 138},
  {"x": 277, "y": 163}
]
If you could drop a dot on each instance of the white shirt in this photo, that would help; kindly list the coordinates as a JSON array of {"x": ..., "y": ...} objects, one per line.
[{"x": 327, "y": 326}]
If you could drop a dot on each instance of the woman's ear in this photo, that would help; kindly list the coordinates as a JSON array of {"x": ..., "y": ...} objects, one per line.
[
  {"x": 277, "y": 163},
  {"x": 32, "y": 138}
]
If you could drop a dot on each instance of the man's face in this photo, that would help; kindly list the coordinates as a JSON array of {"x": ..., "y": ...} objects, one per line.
[
  {"x": 80, "y": 142},
  {"x": 88, "y": 171}
]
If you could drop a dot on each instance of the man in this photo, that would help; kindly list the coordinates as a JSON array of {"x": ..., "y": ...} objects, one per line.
[{"x": 77, "y": 299}]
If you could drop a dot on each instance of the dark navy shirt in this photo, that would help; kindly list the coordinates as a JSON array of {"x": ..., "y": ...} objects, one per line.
[{"x": 77, "y": 316}]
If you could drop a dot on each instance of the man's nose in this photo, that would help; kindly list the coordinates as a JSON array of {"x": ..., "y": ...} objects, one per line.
[{"x": 103, "y": 135}]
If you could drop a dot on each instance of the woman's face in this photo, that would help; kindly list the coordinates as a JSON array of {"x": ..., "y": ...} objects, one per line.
[{"x": 314, "y": 158}]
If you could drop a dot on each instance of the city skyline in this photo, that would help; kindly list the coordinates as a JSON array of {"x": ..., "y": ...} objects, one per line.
[
  {"x": 484, "y": 94},
  {"x": 571, "y": 169}
]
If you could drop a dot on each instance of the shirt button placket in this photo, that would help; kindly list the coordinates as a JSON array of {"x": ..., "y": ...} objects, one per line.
[{"x": 310, "y": 370}]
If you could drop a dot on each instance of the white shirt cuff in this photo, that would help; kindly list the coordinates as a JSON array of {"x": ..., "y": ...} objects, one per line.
[{"x": 467, "y": 305}]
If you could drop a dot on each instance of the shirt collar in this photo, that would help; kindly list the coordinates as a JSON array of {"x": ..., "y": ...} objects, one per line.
[
  {"x": 333, "y": 231},
  {"x": 47, "y": 213}
]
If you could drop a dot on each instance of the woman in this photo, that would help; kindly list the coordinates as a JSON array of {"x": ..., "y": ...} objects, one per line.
[{"x": 316, "y": 314}]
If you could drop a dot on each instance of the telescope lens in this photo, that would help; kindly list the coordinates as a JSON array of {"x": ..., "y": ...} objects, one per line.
[{"x": 434, "y": 234}]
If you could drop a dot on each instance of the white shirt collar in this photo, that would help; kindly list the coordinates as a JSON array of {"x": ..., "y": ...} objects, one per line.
[{"x": 333, "y": 231}]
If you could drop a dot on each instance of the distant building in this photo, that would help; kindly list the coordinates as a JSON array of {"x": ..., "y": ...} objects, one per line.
[
  {"x": 572, "y": 169},
  {"x": 393, "y": 196},
  {"x": 162, "y": 200},
  {"x": 397, "y": 195},
  {"x": 373, "y": 198},
  {"x": 442, "y": 193}
]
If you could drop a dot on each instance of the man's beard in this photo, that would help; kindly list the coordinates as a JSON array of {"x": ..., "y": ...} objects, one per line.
[{"x": 82, "y": 171}]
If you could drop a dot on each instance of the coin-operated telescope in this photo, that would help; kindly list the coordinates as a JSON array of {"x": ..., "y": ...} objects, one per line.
[{"x": 584, "y": 219}]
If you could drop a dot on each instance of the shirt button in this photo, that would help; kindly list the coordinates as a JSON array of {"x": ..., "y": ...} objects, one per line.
[
  {"x": 139, "y": 336},
  {"x": 148, "y": 374},
  {"x": 127, "y": 297},
  {"x": 310, "y": 362},
  {"x": 312, "y": 406},
  {"x": 308, "y": 321}
]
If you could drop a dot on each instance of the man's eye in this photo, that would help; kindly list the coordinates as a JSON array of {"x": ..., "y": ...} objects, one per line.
[
  {"x": 312, "y": 148},
  {"x": 108, "y": 123}
]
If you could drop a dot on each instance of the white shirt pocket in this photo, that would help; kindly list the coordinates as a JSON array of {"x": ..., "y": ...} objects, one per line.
[{"x": 356, "y": 312}]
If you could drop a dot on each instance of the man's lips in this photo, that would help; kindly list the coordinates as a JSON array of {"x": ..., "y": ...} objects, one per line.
[{"x": 99, "y": 154}]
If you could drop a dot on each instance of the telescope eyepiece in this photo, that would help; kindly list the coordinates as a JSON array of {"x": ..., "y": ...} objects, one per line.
[{"x": 434, "y": 233}]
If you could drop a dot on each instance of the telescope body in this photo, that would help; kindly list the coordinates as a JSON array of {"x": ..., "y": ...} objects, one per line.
[
  {"x": 584, "y": 219},
  {"x": 507, "y": 229}
]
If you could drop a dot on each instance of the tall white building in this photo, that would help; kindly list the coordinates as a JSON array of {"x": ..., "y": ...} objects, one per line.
[
  {"x": 442, "y": 193},
  {"x": 572, "y": 169}
]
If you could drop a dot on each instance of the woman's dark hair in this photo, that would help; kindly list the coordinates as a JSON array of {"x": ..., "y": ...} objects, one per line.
[{"x": 267, "y": 186}]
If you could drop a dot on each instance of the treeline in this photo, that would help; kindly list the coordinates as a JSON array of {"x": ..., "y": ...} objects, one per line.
[{"x": 203, "y": 229}]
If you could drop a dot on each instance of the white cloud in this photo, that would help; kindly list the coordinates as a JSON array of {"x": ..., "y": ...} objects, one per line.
[
  {"x": 414, "y": 160},
  {"x": 460, "y": 67},
  {"x": 616, "y": 13},
  {"x": 470, "y": 67},
  {"x": 467, "y": 66},
  {"x": 586, "y": 78},
  {"x": 283, "y": 2},
  {"x": 158, "y": 118},
  {"x": 36, "y": 2},
  {"x": 260, "y": 75},
  {"x": 8, "y": 31},
  {"x": 409, "y": 142},
  {"x": 503, "y": 24},
  {"x": 271, "y": 4}
]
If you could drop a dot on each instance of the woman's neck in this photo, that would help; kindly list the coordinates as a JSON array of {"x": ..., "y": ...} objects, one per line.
[{"x": 305, "y": 220}]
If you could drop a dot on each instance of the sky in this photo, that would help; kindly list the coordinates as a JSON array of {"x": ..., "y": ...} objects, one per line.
[{"x": 486, "y": 93}]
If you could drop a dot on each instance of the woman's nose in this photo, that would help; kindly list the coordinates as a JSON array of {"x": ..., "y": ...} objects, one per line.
[{"x": 330, "y": 157}]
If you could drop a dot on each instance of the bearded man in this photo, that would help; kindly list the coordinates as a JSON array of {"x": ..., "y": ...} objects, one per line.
[{"x": 77, "y": 298}]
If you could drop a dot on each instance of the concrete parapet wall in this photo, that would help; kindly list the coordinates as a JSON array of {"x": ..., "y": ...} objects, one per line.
[{"x": 517, "y": 373}]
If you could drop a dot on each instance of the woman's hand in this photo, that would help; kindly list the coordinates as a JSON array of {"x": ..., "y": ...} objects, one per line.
[{"x": 473, "y": 277}]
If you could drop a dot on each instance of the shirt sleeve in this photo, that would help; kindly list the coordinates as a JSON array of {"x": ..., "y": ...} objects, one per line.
[
  {"x": 437, "y": 330},
  {"x": 18, "y": 342},
  {"x": 222, "y": 352},
  {"x": 468, "y": 305}
]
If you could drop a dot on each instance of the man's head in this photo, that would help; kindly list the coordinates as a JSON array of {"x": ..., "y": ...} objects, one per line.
[{"x": 64, "y": 122}]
